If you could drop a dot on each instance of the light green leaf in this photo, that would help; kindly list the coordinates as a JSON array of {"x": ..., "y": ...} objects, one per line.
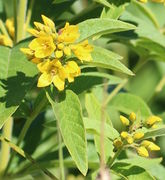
[
  {"x": 94, "y": 126},
  {"x": 97, "y": 26},
  {"x": 109, "y": 60},
  {"x": 69, "y": 115},
  {"x": 16, "y": 78},
  {"x": 128, "y": 103}
]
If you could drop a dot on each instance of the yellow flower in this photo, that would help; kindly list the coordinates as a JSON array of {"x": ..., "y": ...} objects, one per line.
[
  {"x": 43, "y": 46},
  {"x": 124, "y": 134},
  {"x": 124, "y": 120},
  {"x": 138, "y": 135},
  {"x": 117, "y": 143},
  {"x": 4, "y": 40},
  {"x": 10, "y": 27},
  {"x": 52, "y": 72},
  {"x": 150, "y": 145},
  {"x": 73, "y": 70},
  {"x": 48, "y": 22},
  {"x": 83, "y": 51},
  {"x": 142, "y": 151},
  {"x": 143, "y": 1},
  {"x": 68, "y": 34},
  {"x": 132, "y": 116},
  {"x": 153, "y": 119}
]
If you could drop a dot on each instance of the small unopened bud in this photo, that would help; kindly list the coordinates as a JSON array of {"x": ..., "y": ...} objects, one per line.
[
  {"x": 132, "y": 116},
  {"x": 60, "y": 46},
  {"x": 142, "y": 151},
  {"x": 130, "y": 140},
  {"x": 138, "y": 135},
  {"x": 124, "y": 134},
  {"x": 152, "y": 120},
  {"x": 117, "y": 143},
  {"x": 124, "y": 120},
  {"x": 150, "y": 145},
  {"x": 58, "y": 54}
]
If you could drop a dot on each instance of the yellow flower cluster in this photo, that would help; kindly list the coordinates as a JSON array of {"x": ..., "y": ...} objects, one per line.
[
  {"x": 7, "y": 38},
  {"x": 53, "y": 52},
  {"x": 135, "y": 133},
  {"x": 157, "y": 1}
]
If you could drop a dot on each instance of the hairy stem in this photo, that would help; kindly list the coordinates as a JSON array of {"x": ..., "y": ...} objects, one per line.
[{"x": 5, "y": 149}]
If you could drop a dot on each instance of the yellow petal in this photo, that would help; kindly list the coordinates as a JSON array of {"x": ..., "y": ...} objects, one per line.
[
  {"x": 67, "y": 51},
  {"x": 44, "y": 80},
  {"x": 27, "y": 51},
  {"x": 58, "y": 54},
  {"x": 48, "y": 22},
  {"x": 68, "y": 34},
  {"x": 34, "y": 32},
  {"x": 44, "y": 66},
  {"x": 138, "y": 135},
  {"x": 58, "y": 82},
  {"x": 83, "y": 51},
  {"x": 10, "y": 27}
]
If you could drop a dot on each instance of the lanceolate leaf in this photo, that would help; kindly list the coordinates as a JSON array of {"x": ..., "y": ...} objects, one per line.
[
  {"x": 107, "y": 59},
  {"x": 97, "y": 26},
  {"x": 69, "y": 115},
  {"x": 16, "y": 77}
]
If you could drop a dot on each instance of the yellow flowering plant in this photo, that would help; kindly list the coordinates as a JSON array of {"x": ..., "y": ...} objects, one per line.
[{"x": 82, "y": 89}]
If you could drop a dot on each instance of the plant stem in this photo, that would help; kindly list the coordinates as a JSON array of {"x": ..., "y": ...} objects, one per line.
[
  {"x": 15, "y": 20},
  {"x": 112, "y": 160},
  {"x": 21, "y": 19},
  {"x": 29, "y": 13},
  {"x": 61, "y": 159},
  {"x": 115, "y": 91},
  {"x": 28, "y": 122},
  {"x": 5, "y": 149}
]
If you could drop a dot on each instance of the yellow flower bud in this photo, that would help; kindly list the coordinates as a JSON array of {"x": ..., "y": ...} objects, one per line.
[
  {"x": 153, "y": 119},
  {"x": 67, "y": 51},
  {"x": 150, "y": 145},
  {"x": 130, "y": 140},
  {"x": 124, "y": 120},
  {"x": 60, "y": 46},
  {"x": 117, "y": 143},
  {"x": 48, "y": 22},
  {"x": 138, "y": 135},
  {"x": 142, "y": 151},
  {"x": 124, "y": 134},
  {"x": 154, "y": 126},
  {"x": 143, "y": 1},
  {"x": 132, "y": 116},
  {"x": 58, "y": 54}
]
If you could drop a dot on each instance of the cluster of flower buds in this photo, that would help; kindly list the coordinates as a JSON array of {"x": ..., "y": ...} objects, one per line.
[
  {"x": 55, "y": 52},
  {"x": 134, "y": 134},
  {"x": 7, "y": 36}
]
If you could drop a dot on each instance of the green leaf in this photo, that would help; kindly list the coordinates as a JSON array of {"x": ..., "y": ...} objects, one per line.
[
  {"x": 131, "y": 172},
  {"x": 94, "y": 126},
  {"x": 16, "y": 78},
  {"x": 160, "y": 131},
  {"x": 109, "y": 60},
  {"x": 88, "y": 80},
  {"x": 93, "y": 108},
  {"x": 128, "y": 103},
  {"x": 69, "y": 115},
  {"x": 97, "y": 26}
]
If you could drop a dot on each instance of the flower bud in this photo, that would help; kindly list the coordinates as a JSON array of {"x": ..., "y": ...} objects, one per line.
[
  {"x": 124, "y": 134},
  {"x": 130, "y": 140},
  {"x": 150, "y": 145},
  {"x": 153, "y": 119},
  {"x": 132, "y": 116},
  {"x": 142, "y": 151},
  {"x": 138, "y": 135},
  {"x": 58, "y": 54},
  {"x": 117, "y": 143},
  {"x": 124, "y": 120}
]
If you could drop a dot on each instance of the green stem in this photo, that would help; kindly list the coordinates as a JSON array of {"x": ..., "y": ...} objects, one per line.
[
  {"x": 15, "y": 20},
  {"x": 21, "y": 19},
  {"x": 115, "y": 91},
  {"x": 28, "y": 122},
  {"x": 61, "y": 159},
  {"x": 27, "y": 156},
  {"x": 5, "y": 149},
  {"x": 112, "y": 160},
  {"x": 29, "y": 14}
]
